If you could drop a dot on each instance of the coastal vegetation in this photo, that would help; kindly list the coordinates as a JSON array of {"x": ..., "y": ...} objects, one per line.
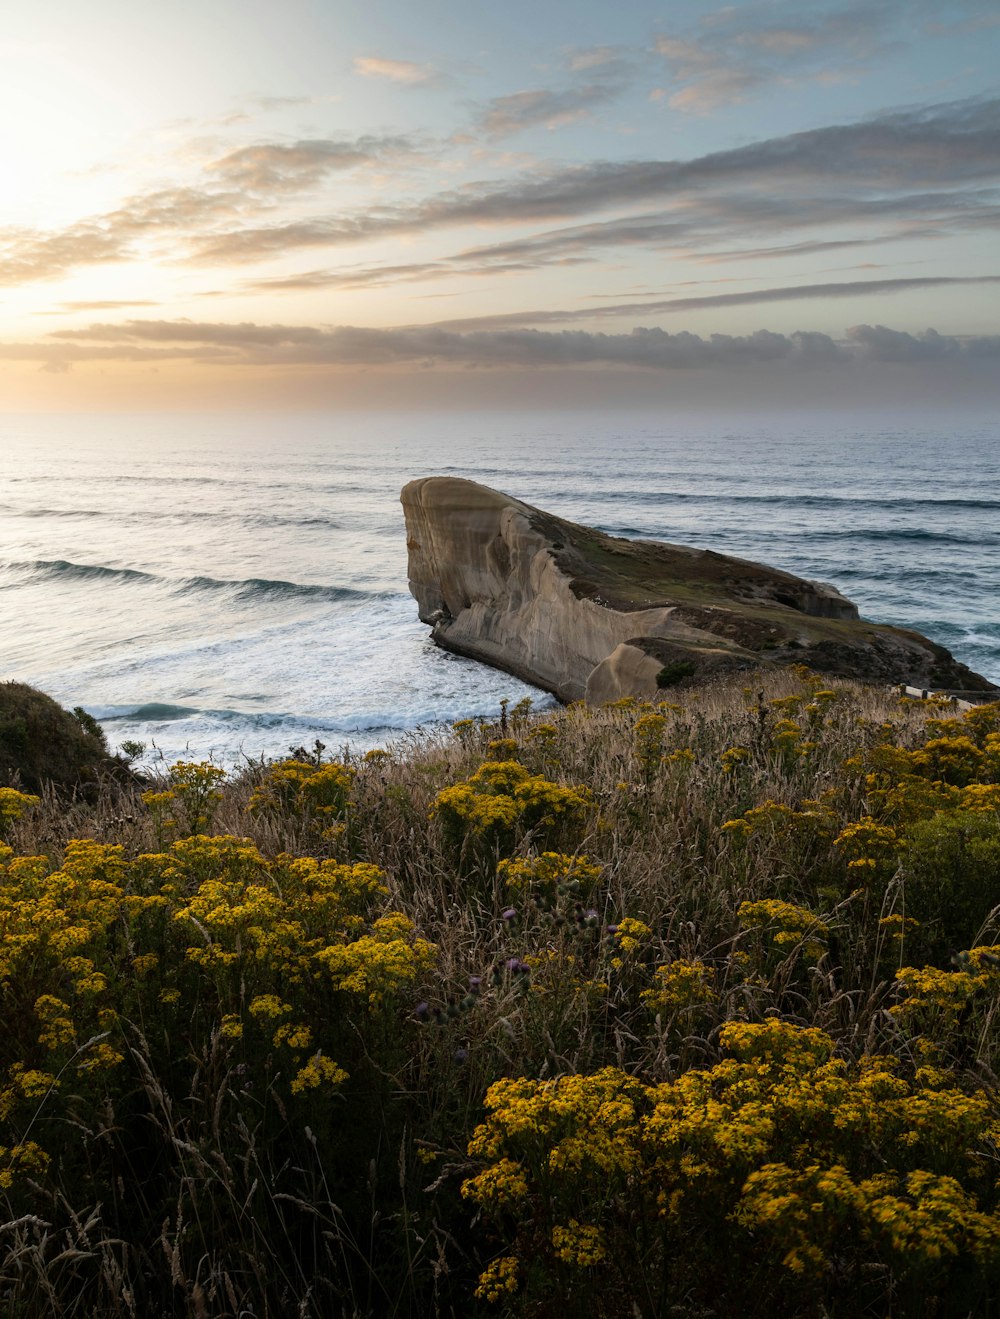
[
  {"x": 43, "y": 744},
  {"x": 678, "y": 1007}
]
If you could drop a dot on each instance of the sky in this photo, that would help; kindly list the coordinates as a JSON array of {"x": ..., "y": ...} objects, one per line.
[{"x": 434, "y": 203}]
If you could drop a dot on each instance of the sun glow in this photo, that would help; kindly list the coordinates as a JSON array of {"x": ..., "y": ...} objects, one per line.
[{"x": 62, "y": 121}]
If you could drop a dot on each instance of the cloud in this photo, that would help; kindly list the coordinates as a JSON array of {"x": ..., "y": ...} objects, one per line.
[
  {"x": 651, "y": 348},
  {"x": 270, "y": 167},
  {"x": 506, "y": 115},
  {"x": 381, "y": 276},
  {"x": 400, "y": 71},
  {"x": 26, "y": 256},
  {"x": 884, "y": 166},
  {"x": 738, "y": 50},
  {"x": 801, "y": 249},
  {"x": 880, "y": 344},
  {"x": 933, "y": 170},
  {"x": 353, "y": 277},
  {"x": 174, "y": 210},
  {"x": 708, "y": 83},
  {"x": 102, "y": 304},
  {"x": 356, "y": 346},
  {"x": 60, "y": 357},
  {"x": 594, "y": 57},
  {"x": 747, "y": 298},
  {"x": 556, "y": 107},
  {"x": 106, "y": 305},
  {"x": 693, "y": 234},
  {"x": 242, "y": 183},
  {"x": 699, "y": 222},
  {"x": 269, "y": 103}
]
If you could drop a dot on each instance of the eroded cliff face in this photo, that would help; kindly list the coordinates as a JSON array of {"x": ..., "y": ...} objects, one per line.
[
  {"x": 487, "y": 579},
  {"x": 583, "y": 614}
]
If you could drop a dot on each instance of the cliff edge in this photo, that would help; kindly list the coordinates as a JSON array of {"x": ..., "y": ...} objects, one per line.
[{"x": 587, "y": 615}]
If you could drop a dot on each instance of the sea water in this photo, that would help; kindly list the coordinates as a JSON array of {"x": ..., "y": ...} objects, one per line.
[{"x": 231, "y": 585}]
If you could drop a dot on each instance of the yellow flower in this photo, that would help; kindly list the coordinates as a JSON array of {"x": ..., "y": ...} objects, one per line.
[
  {"x": 294, "y": 1037},
  {"x": 732, "y": 757},
  {"x": 787, "y": 925},
  {"x": 100, "y": 1058},
  {"x": 318, "y": 1071},
  {"x": 631, "y": 934},
  {"x": 268, "y": 1005},
  {"x": 550, "y": 873},
  {"x": 682, "y": 984},
  {"x": 33, "y": 1083},
  {"x": 500, "y": 1279},
  {"x": 579, "y": 1244}
]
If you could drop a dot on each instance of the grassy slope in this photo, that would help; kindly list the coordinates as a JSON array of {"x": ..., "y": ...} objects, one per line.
[{"x": 210, "y": 1184}]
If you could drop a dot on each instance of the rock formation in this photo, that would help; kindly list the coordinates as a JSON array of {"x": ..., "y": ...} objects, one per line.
[{"x": 584, "y": 614}]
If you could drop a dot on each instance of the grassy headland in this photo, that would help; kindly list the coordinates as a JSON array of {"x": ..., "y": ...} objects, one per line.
[{"x": 642, "y": 1010}]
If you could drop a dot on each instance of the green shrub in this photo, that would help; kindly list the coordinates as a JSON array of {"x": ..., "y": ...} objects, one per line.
[
  {"x": 671, "y": 674},
  {"x": 41, "y": 743},
  {"x": 952, "y": 879}
]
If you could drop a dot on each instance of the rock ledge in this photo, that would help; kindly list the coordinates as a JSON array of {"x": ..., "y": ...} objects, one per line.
[{"x": 587, "y": 615}]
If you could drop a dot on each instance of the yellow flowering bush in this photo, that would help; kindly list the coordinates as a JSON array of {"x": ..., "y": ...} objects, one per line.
[
  {"x": 775, "y": 835},
  {"x": 319, "y": 1073},
  {"x": 776, "y": 819},
  {"x": 733, "y": 757},
  {"x": 23, "y": 1158},
  {"x": 13, "y": 805},
  {"x": 781, "y": 1152},
  {"x": 550, "y": 874},
  {"x": 579, "y": 1244},
  {"x": 786, "y": 927},
  {"x": 932, "y": 1000},
  {"x": 786, "y": 739},
  {"x": 500, "y": 1279},
  {"x": 950, "y": 870},
  {"x": 631, "y": 934},
  {"x": 955, "y": 760},
  {"x": 284, "y": 968},
  {"x": 379, "y": 965},
  {"x": 502, "y": 796},
  {"x": 303, "y": 788},
  {"x": 980, "y": 797},
  {"x": 681, "y": 985},
  {"x": 869, "y": 847},
  {"x": 188, "y": 803},
  {"x": 649, "y": 733}
]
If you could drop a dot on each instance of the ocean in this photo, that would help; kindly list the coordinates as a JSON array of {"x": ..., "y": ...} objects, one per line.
[{"x": 231, "y": 586}]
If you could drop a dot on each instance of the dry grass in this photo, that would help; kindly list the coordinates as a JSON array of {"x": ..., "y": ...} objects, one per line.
[{"x": 187, "y": 1192}]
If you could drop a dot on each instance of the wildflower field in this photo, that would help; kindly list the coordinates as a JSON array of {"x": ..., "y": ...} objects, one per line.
[{"x": 651, "y": 1010}]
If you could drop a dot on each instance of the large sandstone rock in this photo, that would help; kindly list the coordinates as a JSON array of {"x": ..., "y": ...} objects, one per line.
[{"x": 584, "y": 614}]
